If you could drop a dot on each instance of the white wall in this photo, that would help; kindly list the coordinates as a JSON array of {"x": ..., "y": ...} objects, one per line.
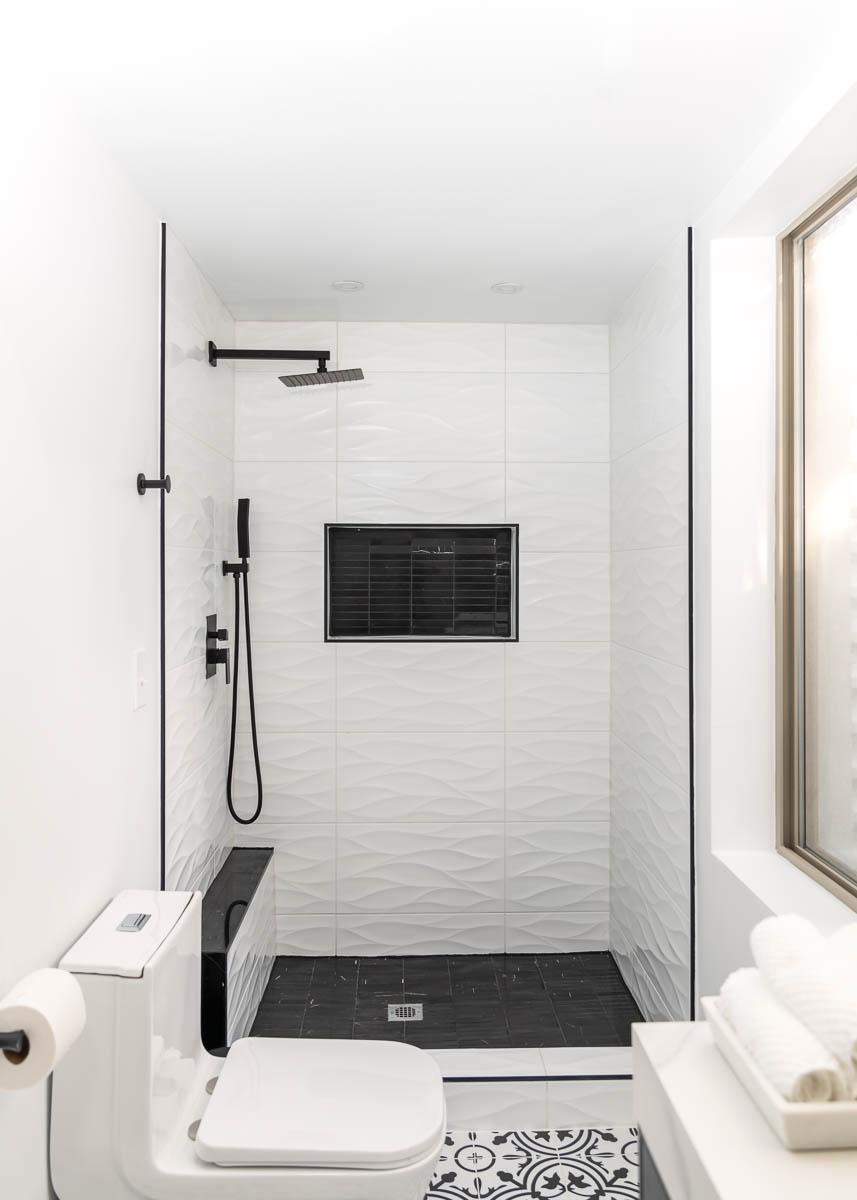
[
  {"x": 79, "y": 369},
  {"x": 430, "y": 798},
  {"x": 200, "y": 534},
  {"x": 650, "y": 783},
  {"x": 741, "y": 877}
]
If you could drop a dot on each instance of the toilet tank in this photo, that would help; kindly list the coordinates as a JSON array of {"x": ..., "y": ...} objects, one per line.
[{"x": 124, "y": 1089}]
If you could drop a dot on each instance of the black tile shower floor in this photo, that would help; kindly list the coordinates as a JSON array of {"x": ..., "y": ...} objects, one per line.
[{"x": 473, "y": 1000}]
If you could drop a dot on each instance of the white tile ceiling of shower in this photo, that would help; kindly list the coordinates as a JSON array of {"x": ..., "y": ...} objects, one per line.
[{"x": 433, "y": 798}]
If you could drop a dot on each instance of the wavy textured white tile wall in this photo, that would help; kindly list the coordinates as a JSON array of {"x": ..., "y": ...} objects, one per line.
[
  {"x": 396, "y": 933},
  {"x": 199, "y": 437},
  {"x": 199, "y": 505},
  {"x": 650, "y": 611},
  {"x": 408, "y": 417},
  {"x": 649, "y": 494},
  {"x": 193, "y": 579},
  {"x": 559, "y": 418},
  {"x": 299, "y": 776},
  {"x": 425, "y": 346},
  {"x": 564, "y": 597},
  {"x": 561, "y": 506},
  {"x": 568, "y": 932},
  {"x": 199, "y": 400},
  {"x": 290, "y": 503},
  {"x": 304, "y": 864},
  {"x": 420, "y": 868},
  {"x": 196, "y": 720},
  {"x": 273, "y": 425},
  {"x": 550, "y": 348},
  {"x": 287, "y": 596},
  {"x": 195, "y": 824},
  {"x": 295, "y": 686},
  {"x": 420, "y": 776},
  {"x": 250, "y": 959},
  {"x": 557, "y": 686},
  {"x": 403, "y": 491},
  {"x": 449, "y": 762},
  {"x": 557, "y": 776},
  {"x": 649, "y": 710},
  {"x": 557, "y": 867},
  {"x": 650, "y": 805},
  {"x": 418, "y": 686},
  {"x": 649, "y": 859}
]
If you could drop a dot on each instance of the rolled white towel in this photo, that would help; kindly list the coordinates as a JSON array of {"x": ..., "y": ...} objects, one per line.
[
  {"x": 844, "y": 943},
  {"x": 787, "y": 1054},
  {"x": 813, "y": 981},
  {"x": 782, "y": 942}
]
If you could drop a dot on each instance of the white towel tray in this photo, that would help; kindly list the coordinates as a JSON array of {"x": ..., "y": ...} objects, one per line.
[{"x": 831, "y": 1126}]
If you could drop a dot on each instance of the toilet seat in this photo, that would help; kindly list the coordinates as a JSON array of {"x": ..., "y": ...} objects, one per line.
[{"x": 306, "y": 1103}]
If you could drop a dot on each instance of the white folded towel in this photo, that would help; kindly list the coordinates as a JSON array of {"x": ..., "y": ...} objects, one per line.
[
  {"x": 782, "y": 942},
  {"x": 787, "y": 1054},
  {"x": 814, "y": 981},
  {"x": 844, "y": 943}
]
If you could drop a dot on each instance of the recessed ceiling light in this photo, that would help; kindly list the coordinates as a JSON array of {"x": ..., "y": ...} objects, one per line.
[
  {"x": 507, "y": 289},
  {"x": 348, "y": 285}
]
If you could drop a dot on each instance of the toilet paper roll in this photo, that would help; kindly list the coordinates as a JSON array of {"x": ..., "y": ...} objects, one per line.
[{"x": 48, "y": 1005}]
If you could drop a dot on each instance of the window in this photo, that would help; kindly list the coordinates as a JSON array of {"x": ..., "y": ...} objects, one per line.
[
  {"x": 421, "y": 583},
  {"x": 818, "y": 546}
]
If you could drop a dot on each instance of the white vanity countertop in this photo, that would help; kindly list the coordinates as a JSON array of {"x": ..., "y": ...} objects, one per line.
[{"x": 708, "y": 1139}]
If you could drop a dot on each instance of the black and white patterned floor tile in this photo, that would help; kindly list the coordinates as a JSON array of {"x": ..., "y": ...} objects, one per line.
[{"x": 592, "y": 1164}]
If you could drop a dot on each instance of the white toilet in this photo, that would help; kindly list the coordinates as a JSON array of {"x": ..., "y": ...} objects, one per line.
[{"x": 140, "y": 1109}]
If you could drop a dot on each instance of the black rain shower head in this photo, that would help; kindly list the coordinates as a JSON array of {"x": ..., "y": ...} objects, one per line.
[
  {"x": 313, "y": 377},
  {"x": 321, "y": 357}
]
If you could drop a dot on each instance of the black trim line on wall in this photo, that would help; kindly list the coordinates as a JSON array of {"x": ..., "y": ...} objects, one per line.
[
  {"x": 526, "y": 1078},
  {"x": 162, "y": 469},
  {"x": 691, "y": 755}
]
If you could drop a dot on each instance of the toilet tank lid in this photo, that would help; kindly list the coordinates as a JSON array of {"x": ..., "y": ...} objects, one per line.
[{"x": 122, "y": 939}]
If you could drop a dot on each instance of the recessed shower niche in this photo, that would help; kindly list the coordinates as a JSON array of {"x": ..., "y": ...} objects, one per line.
[
  {"x": 412, "y": 583},
  {"x": 436, "y": 765}
]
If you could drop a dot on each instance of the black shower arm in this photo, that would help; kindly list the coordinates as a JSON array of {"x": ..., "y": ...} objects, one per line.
[{"x": 320, "y": 356}]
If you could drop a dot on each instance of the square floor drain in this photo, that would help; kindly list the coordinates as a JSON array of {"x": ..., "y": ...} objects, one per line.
[{"x": 404, "y": 1012}]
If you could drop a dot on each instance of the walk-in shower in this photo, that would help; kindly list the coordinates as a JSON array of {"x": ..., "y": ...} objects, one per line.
[{"x": 469, "y": 681}]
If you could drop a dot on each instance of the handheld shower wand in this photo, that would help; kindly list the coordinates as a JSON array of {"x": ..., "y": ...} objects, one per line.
[{"x": 240, "y": 571}]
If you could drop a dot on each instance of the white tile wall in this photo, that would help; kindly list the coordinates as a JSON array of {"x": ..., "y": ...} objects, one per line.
[
  {"x": 559, "y": 418},
  {"x": 249, "y": 960},
  {"x": 650, "y": 818},
  {"x": 407, "y": 417},
  {"x": 199, "y": 446},
  {"x": 406, "y": 491},
  {"x": 420, "y": 776},
  {"x": 432, "y": 798}
]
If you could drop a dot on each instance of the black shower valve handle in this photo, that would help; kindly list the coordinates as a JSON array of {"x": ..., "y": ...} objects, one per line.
[{"x": 218, "y": 655}]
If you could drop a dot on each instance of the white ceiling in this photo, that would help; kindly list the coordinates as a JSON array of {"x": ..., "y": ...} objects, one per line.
[{"x": 433, "y": 148}]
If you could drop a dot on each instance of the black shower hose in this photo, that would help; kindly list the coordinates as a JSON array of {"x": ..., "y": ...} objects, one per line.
[{"x": 237, "y": 642}]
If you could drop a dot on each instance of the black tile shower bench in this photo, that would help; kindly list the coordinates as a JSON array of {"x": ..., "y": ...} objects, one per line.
[{"x": 224, "y": 907}]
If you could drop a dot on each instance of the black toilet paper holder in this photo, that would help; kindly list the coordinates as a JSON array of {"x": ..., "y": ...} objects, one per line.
[{"x": 15, "y": 1044}]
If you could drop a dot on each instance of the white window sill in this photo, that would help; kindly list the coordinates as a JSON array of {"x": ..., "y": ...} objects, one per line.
[{"x": 784, "y": 888}]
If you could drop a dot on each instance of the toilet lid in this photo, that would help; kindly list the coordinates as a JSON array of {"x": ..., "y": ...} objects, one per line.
[{"x": 312, "y": 1103}]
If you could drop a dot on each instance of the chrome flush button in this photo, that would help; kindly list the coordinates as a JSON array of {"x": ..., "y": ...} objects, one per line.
[{"x": 132, "y": 922}]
